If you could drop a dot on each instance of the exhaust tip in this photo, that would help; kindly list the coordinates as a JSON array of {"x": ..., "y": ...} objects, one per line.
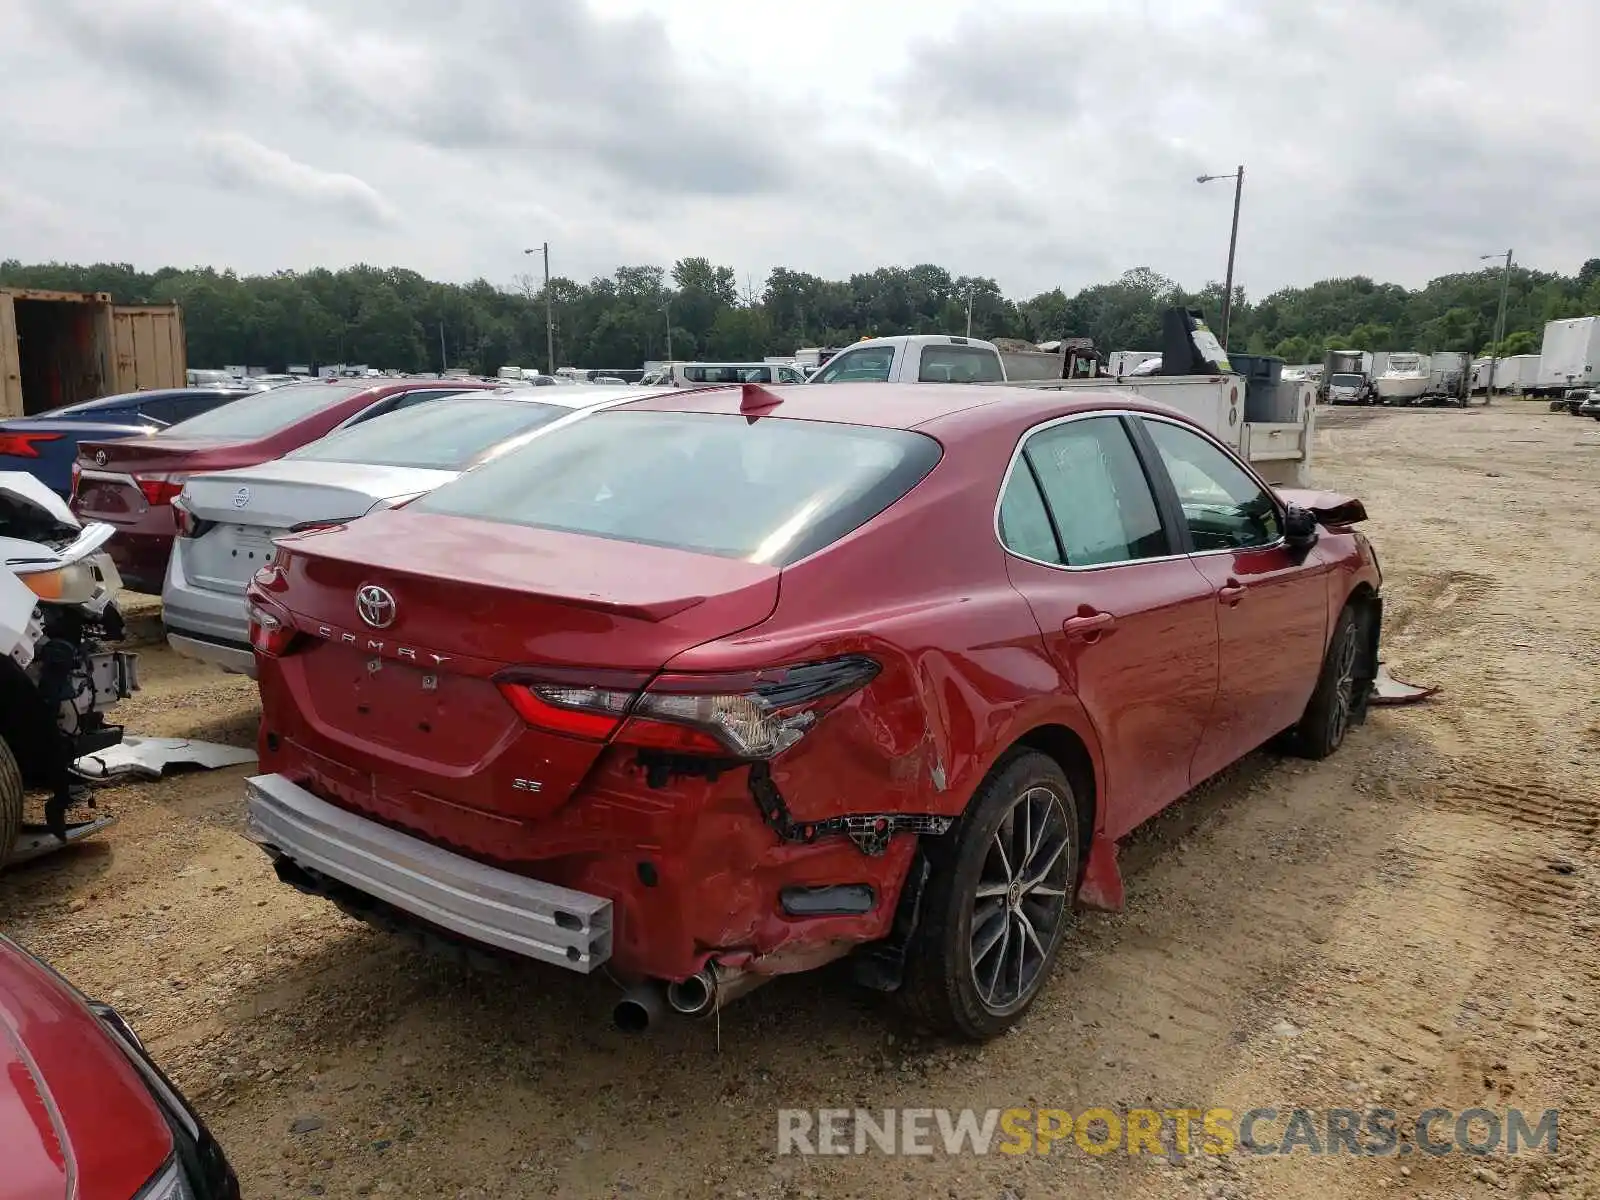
[
  {"x": 693, "y": 996},
  {"x": 637, "y": 1010}
]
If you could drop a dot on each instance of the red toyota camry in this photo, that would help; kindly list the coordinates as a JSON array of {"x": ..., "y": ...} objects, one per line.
[{"x": 725, "y": 684}]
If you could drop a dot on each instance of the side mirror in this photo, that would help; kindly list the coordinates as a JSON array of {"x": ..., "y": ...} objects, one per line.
[{"x": 1300, "y": 530}]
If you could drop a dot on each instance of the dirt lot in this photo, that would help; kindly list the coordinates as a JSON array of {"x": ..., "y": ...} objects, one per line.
[{"x": 1414, "y": 920}]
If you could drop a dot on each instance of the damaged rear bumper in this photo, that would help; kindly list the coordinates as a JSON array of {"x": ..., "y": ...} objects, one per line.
[{"x": 473, "y": 900}]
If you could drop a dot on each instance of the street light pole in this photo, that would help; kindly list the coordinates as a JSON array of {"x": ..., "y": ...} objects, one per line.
[
  {"x": 1499, "y": 325},
  {"x": 1233, "y": 245},
  {"x": 666, "y": 307},
  {"x": 549, "y": 317},
  {"x": 969, "y": 312}
]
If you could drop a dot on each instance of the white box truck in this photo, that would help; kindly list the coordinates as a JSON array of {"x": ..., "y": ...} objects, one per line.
[
  {"x": 1517, "y": 374},
  {"x": 1570, "y": 354}
]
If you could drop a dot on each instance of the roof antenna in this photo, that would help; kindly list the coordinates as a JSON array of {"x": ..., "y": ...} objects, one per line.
[{"x": 755, "y": 400}]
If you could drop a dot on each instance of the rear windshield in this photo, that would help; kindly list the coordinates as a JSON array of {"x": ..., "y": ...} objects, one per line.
[
  {"x": 260, "y": 414},
  {"x": 769, "y": 492},
  {"x": 444, "y": 437}
]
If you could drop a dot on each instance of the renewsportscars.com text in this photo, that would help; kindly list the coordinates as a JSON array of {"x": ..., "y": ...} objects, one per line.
[{"x": 1369, "y": 1132}]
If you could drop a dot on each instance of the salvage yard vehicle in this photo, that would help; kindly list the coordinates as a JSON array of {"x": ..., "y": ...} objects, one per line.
[
  {"x": 84, "y": 1110},
  {"x": 58, "y": 679},
  {"x": 700, "y": 374},
  {"x": 227, "y": 520},
  {"x": 1271, "y": 425},
  {"x": 131, "y": 484},
  {"x": 728, "y": 683},
  {"x": 46, "y": 446}
]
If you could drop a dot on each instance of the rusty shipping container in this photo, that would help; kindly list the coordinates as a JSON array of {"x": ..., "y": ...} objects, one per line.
[{"x": 59, "y": 348}]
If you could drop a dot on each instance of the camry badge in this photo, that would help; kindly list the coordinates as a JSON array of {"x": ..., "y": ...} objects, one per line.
[
  {"x": 375, "y": 606},
  {"x": 241, "y": 497}
]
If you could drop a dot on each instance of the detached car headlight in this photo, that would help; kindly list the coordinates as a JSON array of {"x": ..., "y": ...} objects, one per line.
[
  {"x": 74, "y": 583},
  {"x": 169, "y": 1184}
]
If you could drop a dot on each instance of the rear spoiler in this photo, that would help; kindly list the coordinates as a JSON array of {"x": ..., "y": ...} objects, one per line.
[{"x": 1330, "y": 508}]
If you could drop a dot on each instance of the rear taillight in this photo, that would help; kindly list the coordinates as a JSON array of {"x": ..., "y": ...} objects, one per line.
[
  {"x": 183, "y": 517},
  {"x": 271, "y": 634},
  {"x": 25, "y": 445},
  {"x": 159, "y": 489},
  {"x": 750, "y": 714},
  {"x": 77, "y": 475}
]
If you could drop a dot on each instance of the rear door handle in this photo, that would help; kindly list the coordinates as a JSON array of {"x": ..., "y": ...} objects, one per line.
[
  {"x": 1231, "y": 592},
  {"x": 1088, "y": 627}
]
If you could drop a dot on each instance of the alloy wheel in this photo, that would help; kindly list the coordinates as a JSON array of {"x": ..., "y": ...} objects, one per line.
[
  {"x": 1344, "y": 687},
  {"x": 1020, "y": 902}
]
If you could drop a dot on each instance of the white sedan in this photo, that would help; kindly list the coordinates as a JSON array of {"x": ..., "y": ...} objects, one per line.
[{"x": 228, "y": 520}]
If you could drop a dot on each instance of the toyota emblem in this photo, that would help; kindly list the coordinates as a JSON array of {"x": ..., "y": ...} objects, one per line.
[
  {"x": 241, "y": 497},
  {"x": 100, "y": 457},
  {"x": 375, "y": 606}
]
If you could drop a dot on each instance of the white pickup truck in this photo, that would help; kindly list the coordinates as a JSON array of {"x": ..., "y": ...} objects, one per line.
[{"x": 1278, "y": 445}]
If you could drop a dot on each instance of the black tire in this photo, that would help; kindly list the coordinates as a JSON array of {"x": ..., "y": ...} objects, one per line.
[
  {"x": 10, "y": 802},
  {"x": 950, "y": 987},
  {"x": 1339, "y": 699}
]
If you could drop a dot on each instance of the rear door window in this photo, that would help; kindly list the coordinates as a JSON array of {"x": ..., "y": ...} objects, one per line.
[
  {"x": 959, "y": 364},
  {"x": 771, "y": 491},
  {"x": 1096, "y": 491},
  {"x": 1025, "y": 525}
]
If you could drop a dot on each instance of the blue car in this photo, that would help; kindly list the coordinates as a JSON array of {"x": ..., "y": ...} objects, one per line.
[{"x": 46, "y": 445}]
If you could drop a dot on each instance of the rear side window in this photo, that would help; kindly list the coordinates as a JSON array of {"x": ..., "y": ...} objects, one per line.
[
  {"x": 772, "y": 491},
  {"x": 261, "y": 414},
  {"x": 441, "y": 437},
  {"x": 1025, "y": 527},
  {"x": 959, "y": 364}
]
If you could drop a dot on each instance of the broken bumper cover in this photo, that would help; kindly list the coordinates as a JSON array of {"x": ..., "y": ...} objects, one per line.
[{"x": 471, "y": 899}]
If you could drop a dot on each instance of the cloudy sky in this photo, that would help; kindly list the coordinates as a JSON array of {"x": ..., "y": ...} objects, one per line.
[{"x": 1045, "y": 144}]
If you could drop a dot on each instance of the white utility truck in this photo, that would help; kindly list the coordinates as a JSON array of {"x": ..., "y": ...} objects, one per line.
[{"x": 1270, "y": 425}]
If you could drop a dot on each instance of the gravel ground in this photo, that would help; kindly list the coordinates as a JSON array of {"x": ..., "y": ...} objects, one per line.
[{"x": 1412, "y": 920}]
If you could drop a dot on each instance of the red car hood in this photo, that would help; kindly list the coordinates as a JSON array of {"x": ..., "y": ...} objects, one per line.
[{"x": 76, "y": 1120}]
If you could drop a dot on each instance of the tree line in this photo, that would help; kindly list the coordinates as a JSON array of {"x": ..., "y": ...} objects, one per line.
[{"x": 394, "y": 318}]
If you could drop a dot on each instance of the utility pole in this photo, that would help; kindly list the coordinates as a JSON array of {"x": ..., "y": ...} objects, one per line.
[
  {"x": 1233, "y": 245},
  {"x": 1499, "y": 326},
  {"x": 549, "y": 317},
  {"x": 969, "y": 312},
  {"x": 444, "y": 363},
  {"x": 666, "y": 307}
]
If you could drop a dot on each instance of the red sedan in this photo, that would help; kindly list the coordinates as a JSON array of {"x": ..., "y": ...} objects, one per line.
[
  {"x": 725, "y": 684},
  {"x": 84, "y": 1112},
  {"x": 131, "y": 483}
]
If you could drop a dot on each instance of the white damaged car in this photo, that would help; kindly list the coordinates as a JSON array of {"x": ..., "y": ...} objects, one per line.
[{"x": 58, "y": 678}]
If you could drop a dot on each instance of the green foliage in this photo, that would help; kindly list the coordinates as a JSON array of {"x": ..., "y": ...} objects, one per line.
[{"x": 395, "y": 318}]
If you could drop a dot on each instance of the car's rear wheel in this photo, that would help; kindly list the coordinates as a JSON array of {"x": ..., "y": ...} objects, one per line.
[
  {"x": 1336, "y": 702},
  {"x": 999, "y": 901},
  {"x": 10, "y": 802}
]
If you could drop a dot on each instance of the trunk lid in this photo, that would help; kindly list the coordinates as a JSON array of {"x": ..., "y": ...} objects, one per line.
[
  {"x": 290, "y": 492},
  {"x": 107, "y": 487},
  {"x": 154, "y": 453},
  {"x": 242, "y": 511},
  {"x": 467, "y": 599}
]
